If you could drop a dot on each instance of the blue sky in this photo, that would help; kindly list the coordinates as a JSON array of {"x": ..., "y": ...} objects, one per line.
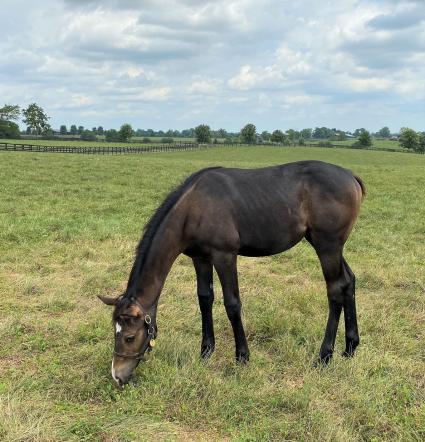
[{"x": 177, "y": 63}]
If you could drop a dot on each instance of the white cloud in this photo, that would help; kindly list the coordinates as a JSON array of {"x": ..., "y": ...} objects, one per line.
[{"x": 151, "y": 62}]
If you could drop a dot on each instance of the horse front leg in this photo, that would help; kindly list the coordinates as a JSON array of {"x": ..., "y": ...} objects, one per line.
[
  {"x": 204, "y": 280},
  {"x": 225, "y": 264}
]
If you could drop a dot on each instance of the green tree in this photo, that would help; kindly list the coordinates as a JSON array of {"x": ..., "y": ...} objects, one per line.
[
  {"x": 293, "y": 135},
  {"x": 365, "y": 139},
  {"x": 10, "y": 112},
  {"x": 63, "y": 130},
  {"x": 111, "y": 135},
  {"x": 125, "y": 132},
  {"x": 73, "y": 130},
  {"x": 421, "y": 146},
  {"x": 277, "y": 136},
  {"x": 80, "y": 130},
  {"x": 249, "y": 134},
  {"x": 306, "y": 134},
  {"x": 409, "y": 139},
  {"x": 358, "y": 132},
  {"x": 88, "y": 135},
  {"x": 35, "y": 118},
  {"x": 9, "y": 129},
  {"x": 384, "y": 132},
  {"x": 203, "y": 133},
  {"x": 222, "y": 133},
  {"x": 100, "y": 130},
  {"x": 265, "y": 135}
]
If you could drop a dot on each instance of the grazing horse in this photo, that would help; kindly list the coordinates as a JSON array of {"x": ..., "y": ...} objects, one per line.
[{"x": 219, "y": 213}]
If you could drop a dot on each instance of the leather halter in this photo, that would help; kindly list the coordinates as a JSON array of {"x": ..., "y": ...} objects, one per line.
[{"x": 150, "y": 339}]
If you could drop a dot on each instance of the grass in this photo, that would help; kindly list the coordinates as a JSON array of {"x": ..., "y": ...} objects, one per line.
[
  {"x": 68, "y": 228},
  {"x": 376, "y": 142}
]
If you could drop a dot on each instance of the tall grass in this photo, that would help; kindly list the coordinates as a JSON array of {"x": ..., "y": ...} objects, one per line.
[{"x": 68, "y": 228}]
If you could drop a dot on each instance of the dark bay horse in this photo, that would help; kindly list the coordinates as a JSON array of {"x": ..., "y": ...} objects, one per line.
[{"x": 217, "y": 214}]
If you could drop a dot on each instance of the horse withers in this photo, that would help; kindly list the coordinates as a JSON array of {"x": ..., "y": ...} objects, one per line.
[{"x": 219, "y": 213}]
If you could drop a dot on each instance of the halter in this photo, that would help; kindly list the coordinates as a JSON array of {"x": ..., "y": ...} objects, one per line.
[{"x": 150, "y": 340}]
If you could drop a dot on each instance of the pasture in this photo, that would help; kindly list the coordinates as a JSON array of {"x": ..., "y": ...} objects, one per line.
[{"x": 68, "y": 228}]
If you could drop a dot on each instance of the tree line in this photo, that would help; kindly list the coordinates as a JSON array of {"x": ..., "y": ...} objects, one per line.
[{"x": 36, "y": 121}]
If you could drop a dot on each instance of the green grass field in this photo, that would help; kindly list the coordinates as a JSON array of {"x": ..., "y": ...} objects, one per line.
[
  {"x": 377, "y": 143},
  {"x": 68, "y": 228}
]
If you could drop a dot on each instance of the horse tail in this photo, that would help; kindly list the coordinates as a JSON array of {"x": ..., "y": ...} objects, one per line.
[{"x": 362, "y": 186}]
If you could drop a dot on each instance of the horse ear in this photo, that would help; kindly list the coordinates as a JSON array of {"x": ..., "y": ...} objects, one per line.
[{"x": 108, "y": 301}]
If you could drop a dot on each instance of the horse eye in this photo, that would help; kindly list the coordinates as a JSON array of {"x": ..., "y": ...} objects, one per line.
[{"x": 129, "y": 339}]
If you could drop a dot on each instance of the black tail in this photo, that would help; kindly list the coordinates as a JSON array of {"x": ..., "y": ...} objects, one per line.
[{"x": 363, "y": 187}]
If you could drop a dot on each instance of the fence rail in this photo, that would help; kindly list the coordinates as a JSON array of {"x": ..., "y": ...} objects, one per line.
[
  {"x": 98, "y": 150},
  {"x": 179, "y": 146}
]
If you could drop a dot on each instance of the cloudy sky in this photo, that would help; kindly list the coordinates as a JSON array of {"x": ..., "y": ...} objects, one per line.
[{"x": 177, "y": 63}]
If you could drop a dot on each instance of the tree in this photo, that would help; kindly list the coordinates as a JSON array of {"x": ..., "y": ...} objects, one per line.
[
  {"x": 73, "y": 130},
  {"x": 358, "y": 132},
  {"x": 111, "y": 135},
  {"x": 306, "y": 134},
  {"x": 365, "y": 140},
  {"x": 248, "y": 134},
  {"x": 384, "y": 132},
  {"x": 10, "y": 112},
  {"x": 88, "y": 135},
  {"x": 9, "y": 129},
  {"x": 421, "y": 147},
  {"x": 125, "y": 132},
  {"x": 80, "y": 130},
  {"x": 265, "y": 135},
  {"x": 277, "y": 136},
  {"x": 409, "y": 139},
  {"x": 203, "y": 133},
  {"x": 292, "y": 135},
  {"x": 100, "y": 130},
  {"x": 35, "y": 118},
  {"x": 63, "y": 130},
  {"x": 222, "y": 133}
]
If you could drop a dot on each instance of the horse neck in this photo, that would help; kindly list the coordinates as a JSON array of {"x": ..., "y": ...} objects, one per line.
[{"x": 166, "y": 245}]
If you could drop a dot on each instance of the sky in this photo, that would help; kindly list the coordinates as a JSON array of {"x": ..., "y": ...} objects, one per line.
[{"x": 164, "y": 64}]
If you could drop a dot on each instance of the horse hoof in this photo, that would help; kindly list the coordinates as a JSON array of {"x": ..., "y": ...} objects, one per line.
[
  {"x": 242, "y": 358},
  {"x": 323, "y": 361},
  {"x": 347, "y": 354},
  {"x": 207, "y": 351}
]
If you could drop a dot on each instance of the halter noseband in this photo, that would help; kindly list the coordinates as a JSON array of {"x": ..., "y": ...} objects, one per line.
[{"x": 150, "y": 340}]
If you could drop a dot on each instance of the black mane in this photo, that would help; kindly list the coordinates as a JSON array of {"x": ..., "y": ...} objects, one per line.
[{"x": 153, "y": 224}]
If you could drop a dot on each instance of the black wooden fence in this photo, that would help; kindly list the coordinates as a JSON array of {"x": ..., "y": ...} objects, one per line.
[
  {"x": 99, "y": 150},
  {"x": 178, "y": 146}
]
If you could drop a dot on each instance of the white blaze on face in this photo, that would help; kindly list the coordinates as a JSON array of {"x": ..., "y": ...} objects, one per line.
[
  {"x": 113, "y": 372},
  {"x": 117, "y": 327}
]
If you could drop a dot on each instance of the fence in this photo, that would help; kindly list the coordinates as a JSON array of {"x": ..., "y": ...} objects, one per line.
[
  {"x": 99, "y": 150},
  {"x": 179, "y": 146}
]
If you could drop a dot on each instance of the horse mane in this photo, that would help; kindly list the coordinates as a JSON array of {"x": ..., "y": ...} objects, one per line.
[{"x": 142, "y": 249}]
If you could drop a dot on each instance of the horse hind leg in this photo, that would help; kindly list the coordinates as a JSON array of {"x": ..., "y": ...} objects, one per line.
[
  {"x": 337, "y": 281},
  {"x": 352, "y": 339}
]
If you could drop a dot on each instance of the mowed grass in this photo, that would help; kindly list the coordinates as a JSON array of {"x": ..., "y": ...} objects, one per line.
[
  {"x": 376, "y": 143},
  {"x": 68, "y": 229}
]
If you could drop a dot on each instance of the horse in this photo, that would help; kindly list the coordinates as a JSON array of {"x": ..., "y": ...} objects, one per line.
[{"x": 219, "y": 213}]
